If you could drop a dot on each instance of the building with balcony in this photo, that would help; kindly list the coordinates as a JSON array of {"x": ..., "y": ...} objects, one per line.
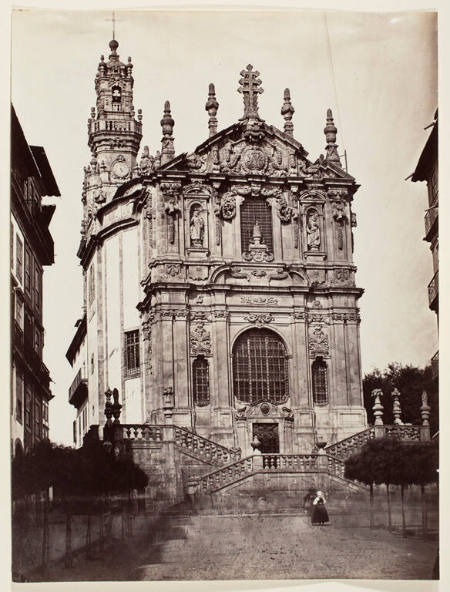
[
  {"x": 427, "y": 170},
  {"x": 31, "y": 249}
]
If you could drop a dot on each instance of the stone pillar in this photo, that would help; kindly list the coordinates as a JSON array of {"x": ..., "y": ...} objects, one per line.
[
  {"x": 396, "y": 409},
  {"x": 425, "y": 414},
  {"x": 181, "y": 360},
  {"x": 378, "y": 413}
]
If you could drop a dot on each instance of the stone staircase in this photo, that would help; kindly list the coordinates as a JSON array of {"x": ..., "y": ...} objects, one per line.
[
  {"x": 186, "y": 441},
  {"x": 271, "y": 464},
  {"x": 230, "y": 468},
  {"x": 353, "y": 444}
]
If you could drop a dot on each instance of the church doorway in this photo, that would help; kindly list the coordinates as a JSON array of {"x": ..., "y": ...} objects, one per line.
[{"x": 267, "y": 434}]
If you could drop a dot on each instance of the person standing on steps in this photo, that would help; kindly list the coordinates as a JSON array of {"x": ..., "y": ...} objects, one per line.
[{"x": 319, "y": 513}]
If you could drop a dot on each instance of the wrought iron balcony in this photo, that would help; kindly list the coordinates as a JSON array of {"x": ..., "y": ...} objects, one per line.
[
  {"x": 431, "y": 219},
  {"x": 435, "y": 365},
  {"x": 433, "y": 292},
  {"x": 17, "y": 335},
  {"x": 78, "y": 390}
]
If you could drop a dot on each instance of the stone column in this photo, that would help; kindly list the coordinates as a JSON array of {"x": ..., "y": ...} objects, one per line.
[
  {"x": 396, "y": 409},
  {"x": 378, "y": 413},
  {"x": 425, "y": 414},
  {"x": 181, "y": 360}
]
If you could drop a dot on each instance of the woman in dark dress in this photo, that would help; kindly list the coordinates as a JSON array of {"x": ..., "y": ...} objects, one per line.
[{"x": 319, "y": 514}]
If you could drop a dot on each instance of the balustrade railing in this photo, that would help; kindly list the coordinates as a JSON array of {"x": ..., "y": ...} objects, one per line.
[
  {"x": 430, "y": 217},
  {"x": 226, "y": 475},
  {"x": 204, "y": 448},
  {"x": 336, "y": 466},
  {"x": 116, "y": 126},
  {"x": 153, "y": 433},
  {"x": 296, "y": 463},
  {"x": 402, "y": 432},
  {"x": 433, "y": 289},
  {"x": 345, "y": 448}
]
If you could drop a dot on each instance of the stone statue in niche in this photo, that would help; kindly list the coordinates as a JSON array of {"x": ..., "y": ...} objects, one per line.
[
  {"x": 313, "y": 231},
  {"x": 197, "y": 228}
]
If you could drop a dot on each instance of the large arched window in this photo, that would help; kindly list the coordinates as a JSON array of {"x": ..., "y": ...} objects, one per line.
[
  {"x": 200, "y": 374},
  {"x": 260, "y": 367},
  {"x": 320, "y": 382},
  {"x": 256, "y": 210}
]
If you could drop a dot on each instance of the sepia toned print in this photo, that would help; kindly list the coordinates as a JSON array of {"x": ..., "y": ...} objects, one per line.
[{"x": 218, "y": 413}]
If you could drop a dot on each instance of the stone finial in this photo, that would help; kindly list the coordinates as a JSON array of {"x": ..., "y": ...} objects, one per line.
[
  {"x": 377, "y": 406},
  {"x": 250, "y": 89},
  {"x": 425, "y": 409},
  {"x": 396, "y": 408},
  {"x": 211, "y": 107},
  {"x": 330, "y": 131},
  {"x": 167, "y": 123},
  {"x": 287, "y": 111}
]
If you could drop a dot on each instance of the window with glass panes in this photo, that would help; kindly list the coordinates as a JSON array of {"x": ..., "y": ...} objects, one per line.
[
  {"x": 320, "y": 382},
  {"x": 19, "y": 396},
  {"x": 28, "y": 406},
  {"x": 19, "y": 258},
  {"x": 256, "y": 210},
  {"x": 260, "y": 367},
  {"x": 28, "y": 259},
  {"x": 37, "y": 419},
  {"x": 132, "y": 352},
  {"x": 200, "y": 378}
]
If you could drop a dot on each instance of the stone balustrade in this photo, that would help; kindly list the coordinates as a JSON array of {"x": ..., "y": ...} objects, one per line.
[
  {"x": 226, "y": 475},
  {"x": 205, "y": 449},
  {"x": 403, "y": 432},
  {"x": 152, "y": 433},
  {"x": 345, "y": 448},
  {"x": 297, "y": 463},
  {"x": 336, "y": 466}
]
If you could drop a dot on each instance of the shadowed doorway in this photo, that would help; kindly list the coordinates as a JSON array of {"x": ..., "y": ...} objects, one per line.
[{"x": 267, "y": 434}]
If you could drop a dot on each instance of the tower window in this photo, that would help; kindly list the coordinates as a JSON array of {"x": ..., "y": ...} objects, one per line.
[
  {"x": 200, "y": 371},
  {"x": 319, "y": 382},
  {"x": 260, "y": 367},
  {"x": 132, "y": 352},
  {"x": 116, "y": 94},
  {"x": 256, "y": 210}
]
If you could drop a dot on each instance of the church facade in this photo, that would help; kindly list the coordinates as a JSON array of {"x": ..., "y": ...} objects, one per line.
[{"x": 219, "y": 284}]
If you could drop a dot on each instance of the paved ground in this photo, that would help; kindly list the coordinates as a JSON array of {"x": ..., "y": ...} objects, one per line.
[{"x": 264, "y": 547}]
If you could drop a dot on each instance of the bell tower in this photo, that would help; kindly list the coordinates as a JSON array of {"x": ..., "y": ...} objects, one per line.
[{"x": 114, "y": 132}]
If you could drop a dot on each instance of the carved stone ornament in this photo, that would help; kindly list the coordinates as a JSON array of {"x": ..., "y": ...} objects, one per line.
[
  {"x": 198, "y": 315},
  {"x": 197, "y": 227},
  {"x": 200, "y": 339},
  {"x": 318, "y": 341},
  {"x": 198, "y": 272},
  {"x": 254, "y": 160},
  {"x": 259, "y": 273},
  {"x": 171, "y": 192},
  {"x": 342, "y": 275},
  {"x": 228, "y": 205},
  {"x": 173, "y": 269},
  {"x": 267, "y": 300},
  {"x": 312, "y": 230},
  {"x": 258, "y": 251},
  {"x": 260, "y": 319},
  {"x": 286, "y": 212},
  {"x": 299, "y": 316}
]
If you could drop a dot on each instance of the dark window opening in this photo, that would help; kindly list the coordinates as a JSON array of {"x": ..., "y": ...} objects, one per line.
[
  {"x": 260, "y": 367},
  {"x": 256, "y": 210},
  {"x": 132, "y": 360},
  {"x": 319, "y": 382},
  {"x": 200, "y": 371}
]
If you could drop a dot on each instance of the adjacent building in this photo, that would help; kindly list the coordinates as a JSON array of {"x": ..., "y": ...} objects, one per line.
[
  {"x": 427, "y": 170},
  {"x": 31, "y": 249},
  {"x": 219, "y": 284}
]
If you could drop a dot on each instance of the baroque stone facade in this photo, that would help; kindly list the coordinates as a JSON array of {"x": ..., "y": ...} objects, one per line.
[{"x": 225, "y": 274}]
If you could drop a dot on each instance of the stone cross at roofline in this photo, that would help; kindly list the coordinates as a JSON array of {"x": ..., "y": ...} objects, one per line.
[{"x": 250, "y": 88}]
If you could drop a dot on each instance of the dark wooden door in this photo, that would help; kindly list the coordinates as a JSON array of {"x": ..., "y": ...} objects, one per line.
[{"x": 267, "y": 434}]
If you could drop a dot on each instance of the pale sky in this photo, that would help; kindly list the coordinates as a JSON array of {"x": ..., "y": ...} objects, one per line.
[{"x": 383, "y": 94}]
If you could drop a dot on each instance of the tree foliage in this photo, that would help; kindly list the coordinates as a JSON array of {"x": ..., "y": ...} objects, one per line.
[
  {"x": 390, "y": 461},
  {"x": 410, "y": 381},
  {"x": 87, "y": 471}
]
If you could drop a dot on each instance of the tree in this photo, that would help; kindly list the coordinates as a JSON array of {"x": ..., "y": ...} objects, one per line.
[
  {"x": 410, "y": 381},
  {"x": 377, "y": 462}
]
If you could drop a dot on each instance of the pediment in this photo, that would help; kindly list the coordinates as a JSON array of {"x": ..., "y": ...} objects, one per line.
[{"x": 257, "y": 150}]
